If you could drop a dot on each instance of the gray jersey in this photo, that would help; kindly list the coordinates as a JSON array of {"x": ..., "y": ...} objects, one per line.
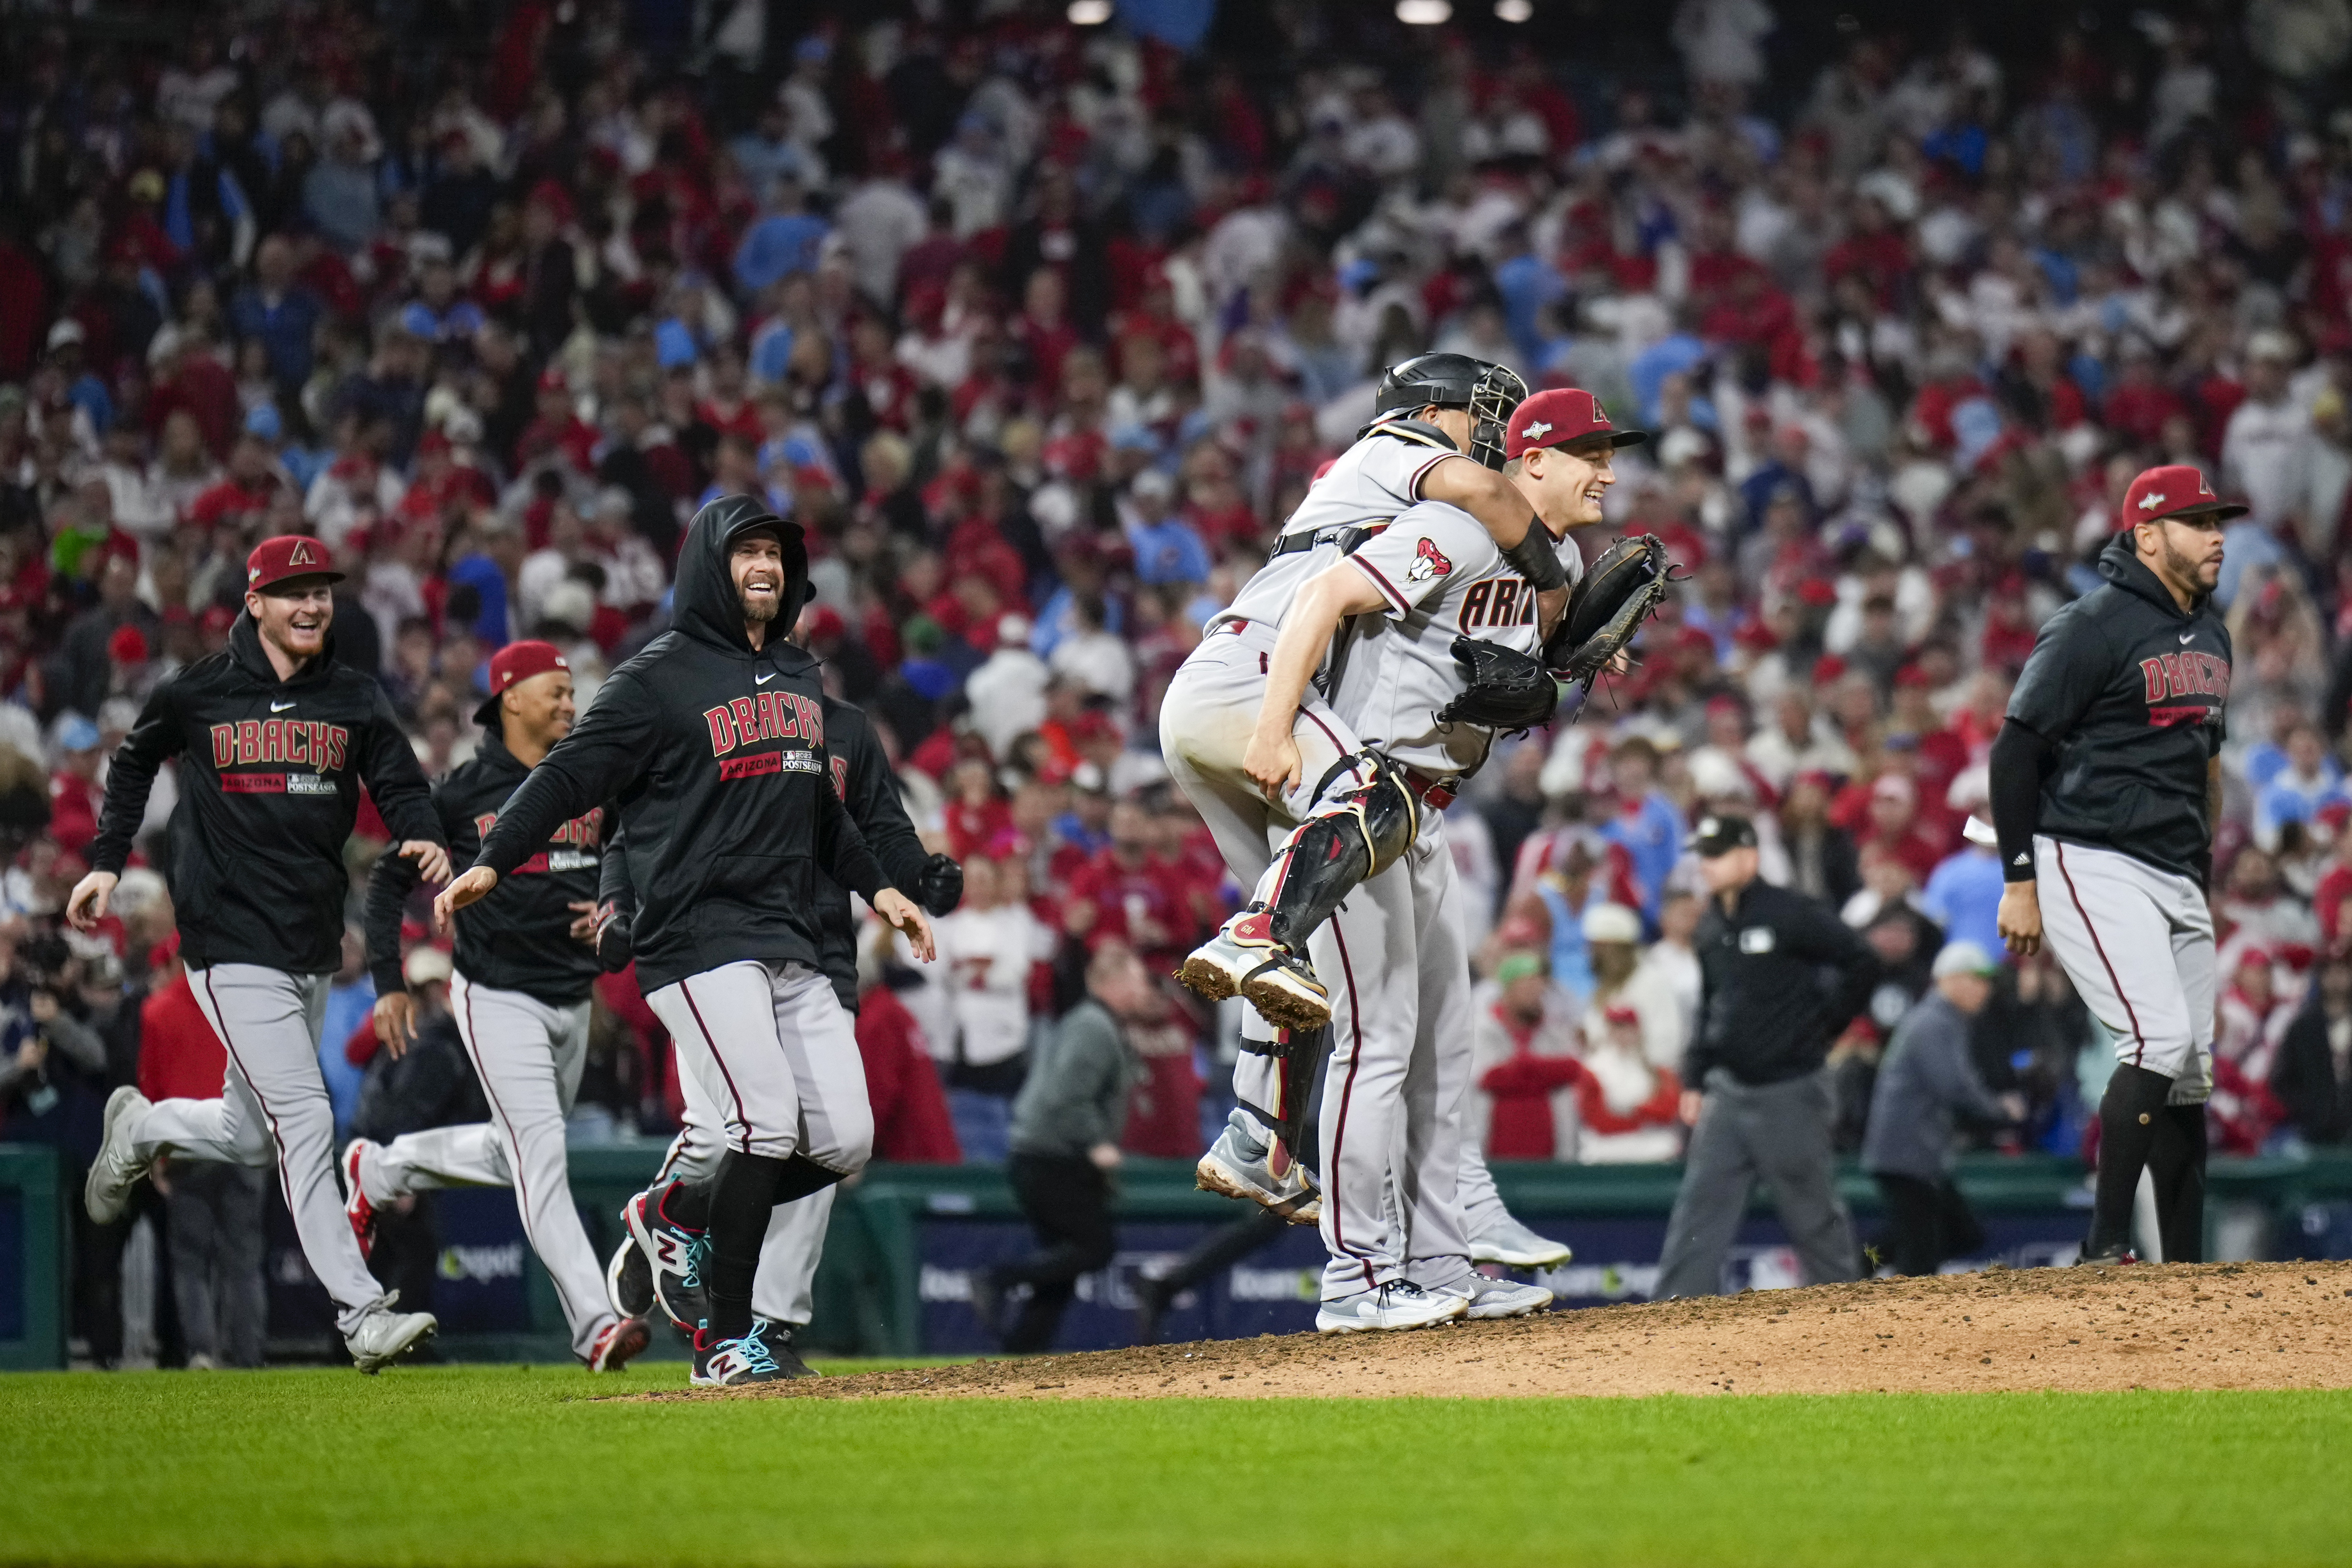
[
  {"x": 1442, "y": 578},
  {"x": 1365, "y": 487}
]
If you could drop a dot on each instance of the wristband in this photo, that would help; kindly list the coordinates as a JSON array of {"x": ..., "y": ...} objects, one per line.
[{"x": 1536, "y": 559}]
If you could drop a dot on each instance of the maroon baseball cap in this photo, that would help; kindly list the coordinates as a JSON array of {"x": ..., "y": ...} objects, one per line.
[
  {"x": 1560, "y": 416},
  {"x": 2173, "y": 490},
  {"x": 274, "y": 560},
  {"x": 517, "y": 662}
]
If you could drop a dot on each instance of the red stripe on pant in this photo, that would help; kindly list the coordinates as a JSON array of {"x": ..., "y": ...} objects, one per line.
[
  {"x": 2139, "y": 1055},
  {"x": 1339, "y": 1132},
  {"x": 741, "y": 1119}
]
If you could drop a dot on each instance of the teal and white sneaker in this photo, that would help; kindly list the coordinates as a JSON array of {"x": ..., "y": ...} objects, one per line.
[
  {"x": 734, "y": 1363},
  {"x": 676, "y": 1254}
]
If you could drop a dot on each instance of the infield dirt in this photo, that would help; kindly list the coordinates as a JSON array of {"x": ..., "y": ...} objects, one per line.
[{"x": 2188, "y": 1326}]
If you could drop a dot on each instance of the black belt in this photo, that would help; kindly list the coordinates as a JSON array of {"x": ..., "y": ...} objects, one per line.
[{"x": 1348, "y": 536}]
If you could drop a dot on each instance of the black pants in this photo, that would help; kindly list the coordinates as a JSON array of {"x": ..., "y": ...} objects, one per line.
[
  {"x": 217, "y": 1239},
  {"x": 1928, "y": 1223},
  {"x": 1068, "y": 1201}
]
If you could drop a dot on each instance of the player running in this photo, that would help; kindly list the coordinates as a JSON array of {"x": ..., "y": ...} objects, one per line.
[
  {"x": 783, "y": 1288},
  {"x": 1448, "y": 652},
  {"x": 275, "y": 740},
  {"x": 2106, "y": 784},
  {"x": 713, "y": 742},
  {"x": 520, "y": 996}
]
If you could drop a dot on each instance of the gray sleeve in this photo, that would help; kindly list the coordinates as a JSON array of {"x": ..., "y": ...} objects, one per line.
[
  {"x": 77, "y": 1041},
  {"x": 1952, "y": 1070}
]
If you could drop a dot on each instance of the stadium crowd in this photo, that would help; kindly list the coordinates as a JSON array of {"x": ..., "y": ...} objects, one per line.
[{"x": 1039, "y": 330}]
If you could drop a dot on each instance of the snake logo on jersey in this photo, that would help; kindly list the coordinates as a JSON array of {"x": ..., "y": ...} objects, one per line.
[{"x": 1429, "y": 563}]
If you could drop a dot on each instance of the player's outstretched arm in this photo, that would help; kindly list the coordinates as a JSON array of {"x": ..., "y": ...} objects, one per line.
[{"x": 1313, "y": 620}]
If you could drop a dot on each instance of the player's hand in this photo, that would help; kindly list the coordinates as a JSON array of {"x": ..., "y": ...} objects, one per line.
[
  {"x": 1693, "y": 1100},
  {"x": 1551, "y": 605},
  {"x": 1105, "y": 1157},
  {"x": 1273, "y": 764},
  {"x": 473, "y": 885},
  {"x": 395, "y": 1022},
  {"x": 432, "y": 859},
  {"x": 86, "y": 907},
  {"x": 899, "y": 912},
  {"x": 2020, "y": 918},
  {"x": 584, "y": 920}
]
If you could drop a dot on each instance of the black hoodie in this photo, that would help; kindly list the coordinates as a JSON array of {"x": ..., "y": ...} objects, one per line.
[
  {"x": 269, "y": 786},
  {"x": 520, "y": 937},
  {"x": 2130, "y": 691},
  {"x": 716, "y": 754}
]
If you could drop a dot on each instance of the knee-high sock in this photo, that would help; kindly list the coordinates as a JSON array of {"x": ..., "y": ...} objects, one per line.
[
  {"x": 740, "y": 1201},
  {"x": 2128, "y": 1112},
  {"x": 2176, "y": 1163}
]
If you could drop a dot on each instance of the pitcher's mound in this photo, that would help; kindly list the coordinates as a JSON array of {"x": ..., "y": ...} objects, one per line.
[{"x": 2228, "y": 1325}]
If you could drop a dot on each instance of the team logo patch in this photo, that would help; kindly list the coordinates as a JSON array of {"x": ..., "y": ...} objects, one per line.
[
  {"x": 1429, "y": 562},
  {"x": 2151, "y": 501},
  {"x": 1539, "y": 430}
]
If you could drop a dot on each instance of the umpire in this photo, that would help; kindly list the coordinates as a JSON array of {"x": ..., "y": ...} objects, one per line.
[{"x": 1779, "y": 976}]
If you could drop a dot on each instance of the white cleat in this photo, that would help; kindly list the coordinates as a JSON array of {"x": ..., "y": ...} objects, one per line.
[
  {"x": 1400, "y": 1304},
  {"x": 1231, "y": 1169},
  {"x": 1489, "y": 1299},
  {"x": 116, "y": 1170},
  {"x": 1241, "y": 960},
  {"x": 1514, "y": 1246},
  {"x": 383, "y": 1336}
]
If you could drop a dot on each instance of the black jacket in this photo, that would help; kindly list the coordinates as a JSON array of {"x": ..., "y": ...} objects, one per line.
[
  {"x": 269, "y": 786},
  {"x": 715, "y": 755},
  {"x": 1768, "y": 1011},
  {"x": 2304, "y": 1079},
  {"x": 518, "y": 938},
  {"x": 862, "y": 777},
  {"x": 2130, "y": 692},
  {"x": 431, "y": 1086}
]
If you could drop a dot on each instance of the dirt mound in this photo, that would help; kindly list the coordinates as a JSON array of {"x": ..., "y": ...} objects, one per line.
[{"x": 2252, "y": 1325}]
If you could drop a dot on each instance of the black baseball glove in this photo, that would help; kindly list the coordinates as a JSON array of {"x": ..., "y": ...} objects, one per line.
[
  {"x": 1508, "y": 689},
  {"x": 1624, "y": 588},
  {"x": 610, "y": 937},
  {"x": 939, "y": 888}
]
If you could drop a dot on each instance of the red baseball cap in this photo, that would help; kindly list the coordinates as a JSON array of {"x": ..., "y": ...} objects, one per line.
[
  {"x": 1558, "y": 417},
  {"x": 517, "y": 662},
  {"x": 2173, "y": 490},
  {"x": 274, "y": 560}
]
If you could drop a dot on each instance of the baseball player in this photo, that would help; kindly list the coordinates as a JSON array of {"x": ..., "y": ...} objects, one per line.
[
  {"x": 275, "y": 740},
  {"x": 519, "y": 991},
  {"x": 1437, "y": 435},
  {"x": 2105, "y": 784},
  {"x": 712, "y": 741},
  {"x": 1440, "y": 621},
  {"x": 782, "y": 1290}
]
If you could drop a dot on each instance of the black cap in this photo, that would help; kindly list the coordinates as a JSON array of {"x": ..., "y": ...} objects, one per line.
[{"x": 1720, "y": 835}]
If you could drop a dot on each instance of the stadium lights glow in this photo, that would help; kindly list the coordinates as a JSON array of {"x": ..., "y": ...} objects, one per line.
[
  {"x": 1425, "y": 13},
  {"x": 1514, "y": 11},
  {"x": 1090, "y": 13}
]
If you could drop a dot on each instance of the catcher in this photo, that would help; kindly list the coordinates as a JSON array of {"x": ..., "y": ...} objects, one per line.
[{"x": 1558, "y": 454}]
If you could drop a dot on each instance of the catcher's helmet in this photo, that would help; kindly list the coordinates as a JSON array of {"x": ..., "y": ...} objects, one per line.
[{"x": 1456, "y": 381}]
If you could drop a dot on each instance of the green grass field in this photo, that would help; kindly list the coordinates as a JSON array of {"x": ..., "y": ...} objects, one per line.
[{"x": 520, "y": 1465}]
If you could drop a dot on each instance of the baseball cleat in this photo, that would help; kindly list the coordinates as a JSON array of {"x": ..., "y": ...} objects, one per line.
[
  {"x": 629, "y": 1281},
  {"x": 356, "y": 1207},
  {"x": 1237, "y": 1167},
  {"x": 1217, "y": 968},
  {"x": 1399, "y": 1305},
  {"x": 1287, "y": 994},
  {"x": 621, "y": 1342},
  {"x": 734, "y": 1363},
  {"x": 778, "y": 1338},
  {"x": 116, "y": 1170},
  {"x": 1488, "y": 1299},
  {"x": 1242, "y": 959},
  {"x": 674, "y": 1256},
  {"x": 1514, "y": 1246},
  {"x": 383, "y": 1336},
  {"x": 2115, "y": 1257}
]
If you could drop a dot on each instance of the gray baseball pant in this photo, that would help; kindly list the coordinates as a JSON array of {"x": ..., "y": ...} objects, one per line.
[
  {"x": 1780, "y": 1133},
  {"x": 273, "y": 1104},
  {"x": 2137, "y": 944},
  {"x": 528, "y": 1055}
]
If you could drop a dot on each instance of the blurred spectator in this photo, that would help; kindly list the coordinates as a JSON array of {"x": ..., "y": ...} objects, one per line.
[{"x": 2311, "y": 1076}]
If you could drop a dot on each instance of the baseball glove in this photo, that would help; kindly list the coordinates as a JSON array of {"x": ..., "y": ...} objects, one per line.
[
  {"x": 1508, "y": 689},
  {"x": 1624, "y": 588}
]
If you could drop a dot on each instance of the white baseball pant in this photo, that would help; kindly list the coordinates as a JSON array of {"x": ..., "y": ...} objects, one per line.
[
  {"x": 2138, "y": 942},
  {"x": 274, "y": 1099},
  {"x": 784, "y": 1290},
  {"x": 1393, "y": 1094},
  {"x": 777, "y": 1058},
  {"x": 528, "y": 1055},
  {"x": 1207, "y": 719}
]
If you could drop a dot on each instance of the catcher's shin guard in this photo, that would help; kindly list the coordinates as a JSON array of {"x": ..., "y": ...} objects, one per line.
[
  {"x": 1359, "y": 836},
  {"x": 1299, "y": 1059}
]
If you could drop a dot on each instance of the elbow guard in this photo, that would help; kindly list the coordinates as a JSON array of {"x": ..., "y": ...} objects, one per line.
[{"x": 1536, "y": 559}]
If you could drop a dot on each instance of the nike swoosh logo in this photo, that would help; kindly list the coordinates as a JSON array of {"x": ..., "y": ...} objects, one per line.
[
  {"x": 764, "y": 680},
  {"x": 2187, "y": 638},
  {"x": 279, "y": 707}
]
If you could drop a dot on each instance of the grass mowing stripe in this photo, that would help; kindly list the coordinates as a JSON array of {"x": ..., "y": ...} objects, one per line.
[{"x": 502, "y": 1465}]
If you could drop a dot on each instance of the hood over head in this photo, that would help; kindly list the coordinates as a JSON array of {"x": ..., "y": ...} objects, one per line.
[{"x": 706, "y": 608}]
